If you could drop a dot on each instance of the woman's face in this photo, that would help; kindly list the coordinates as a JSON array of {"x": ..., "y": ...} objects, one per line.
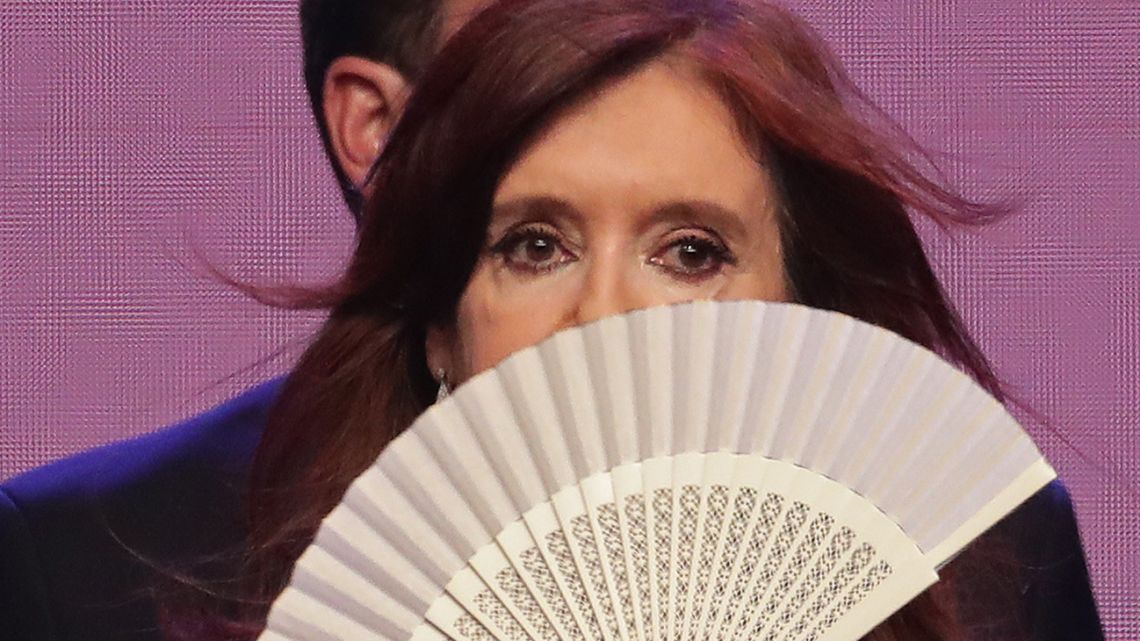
[{"x": 644, "y": 195}]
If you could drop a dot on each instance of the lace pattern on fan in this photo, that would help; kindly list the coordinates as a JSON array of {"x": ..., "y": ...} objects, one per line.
[
  {"x": 712, "y": 529},
  {"x": 639, "y": 554},
  {"x": 537, "y": 569},
  {"x": 615, "y": 557},
  {"x": 560, "y": 548},
  {"x": 512, "y": 585},
  {"x": 778, "y": 569}
]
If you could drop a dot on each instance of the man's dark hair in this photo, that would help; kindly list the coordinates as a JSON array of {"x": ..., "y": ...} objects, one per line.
[{"x": 400, "y": 33}]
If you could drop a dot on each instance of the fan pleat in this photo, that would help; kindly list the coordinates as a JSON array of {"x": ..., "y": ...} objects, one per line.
[
  {"x": 532, "y": 402},
  {"x": 515, "y": 473},
  {"x": 651, "y": 349},
  {"x": 459, "y": 453},
  {"x": 412, "y": 539},
  {"x": 361, "y": 561},
  {"x": 289, "y": 623},
  {"x": 614, "y": 384},
  {"x": 564, "y": 362}
]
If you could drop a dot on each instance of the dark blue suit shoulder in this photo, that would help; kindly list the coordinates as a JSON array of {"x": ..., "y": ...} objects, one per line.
[
  {"x": 226, "y": 434},
  {"x": 85, "y": 540}
]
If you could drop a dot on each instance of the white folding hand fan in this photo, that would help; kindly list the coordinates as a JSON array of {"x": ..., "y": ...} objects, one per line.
[{"x": 704, "y": 472}]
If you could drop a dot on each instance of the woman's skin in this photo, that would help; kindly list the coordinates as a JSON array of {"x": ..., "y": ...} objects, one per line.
[{"x": 645, "y": 195}]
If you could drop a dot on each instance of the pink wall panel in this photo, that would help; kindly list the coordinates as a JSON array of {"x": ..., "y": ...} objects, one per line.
[{"x": 139, "y": 139}]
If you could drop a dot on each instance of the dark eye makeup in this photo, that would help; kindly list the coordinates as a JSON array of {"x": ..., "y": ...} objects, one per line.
[
  {"x": 532, "y": 248},
  {"x": 687, "y": 254},
  {"x": 693, "y": 257}
]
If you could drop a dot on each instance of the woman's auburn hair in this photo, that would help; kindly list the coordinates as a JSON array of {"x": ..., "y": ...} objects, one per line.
[{"x": 847, "y": 178}]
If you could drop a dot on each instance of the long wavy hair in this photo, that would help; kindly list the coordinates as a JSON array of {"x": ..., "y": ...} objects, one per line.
[{"x": 848, "y": 181}]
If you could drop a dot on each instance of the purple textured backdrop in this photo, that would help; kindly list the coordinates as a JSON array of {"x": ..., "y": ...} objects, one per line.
[{"x": 140, "y": 137}]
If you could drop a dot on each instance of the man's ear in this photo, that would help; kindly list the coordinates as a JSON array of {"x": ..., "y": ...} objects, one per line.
[{"x": 362, "y": 101}]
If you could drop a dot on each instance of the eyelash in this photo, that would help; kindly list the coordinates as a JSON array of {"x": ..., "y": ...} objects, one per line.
[
  {"x": 715, "y": 248},
  {"x": 513, "y": 240}
]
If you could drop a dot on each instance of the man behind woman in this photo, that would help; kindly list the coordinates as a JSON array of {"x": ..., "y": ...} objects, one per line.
[{"x": 90, "y": 545}]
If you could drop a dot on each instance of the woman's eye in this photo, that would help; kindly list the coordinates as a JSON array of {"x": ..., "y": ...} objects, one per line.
[
  {"x": 694, "y": 257},
  {"x": 532, "y": 250}
]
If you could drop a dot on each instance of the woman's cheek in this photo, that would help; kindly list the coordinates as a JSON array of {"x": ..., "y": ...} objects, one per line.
[
  {"x": 658, "y": 287},
  {"x": 498, "y": 317}
]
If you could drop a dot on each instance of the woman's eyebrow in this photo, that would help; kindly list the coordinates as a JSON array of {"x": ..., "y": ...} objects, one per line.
[
  {"x": 723, "y": 219},
  {"x": 536, "y": 208}
]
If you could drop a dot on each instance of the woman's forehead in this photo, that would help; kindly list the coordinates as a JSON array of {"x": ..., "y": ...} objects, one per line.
[{"x": 660, "y": 134}]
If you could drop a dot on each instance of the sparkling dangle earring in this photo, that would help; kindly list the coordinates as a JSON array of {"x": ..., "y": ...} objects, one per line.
[{"x": 444, "y": 388}]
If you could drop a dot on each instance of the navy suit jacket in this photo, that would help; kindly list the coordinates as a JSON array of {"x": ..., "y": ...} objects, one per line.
[{"x": 83, "y": 541}]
